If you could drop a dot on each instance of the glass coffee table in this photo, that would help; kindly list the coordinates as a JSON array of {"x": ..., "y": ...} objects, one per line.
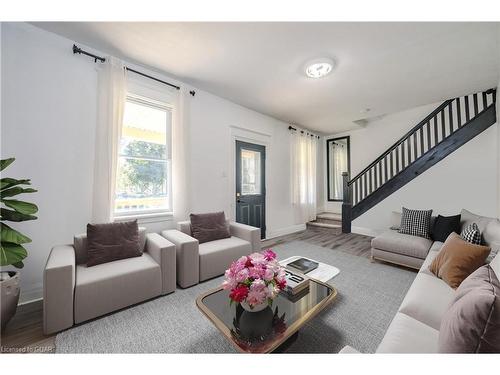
[{"x": 272, "y": 329}]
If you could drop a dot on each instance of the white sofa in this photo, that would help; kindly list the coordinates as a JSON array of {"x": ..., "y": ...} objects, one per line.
[
  {"x": 411, "y": 251},
  {"x": 415, "y": 327}
]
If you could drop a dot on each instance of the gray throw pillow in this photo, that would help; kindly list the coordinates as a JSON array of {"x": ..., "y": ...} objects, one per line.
[
  {"x": 416, "y": 222},
  {"x": 472, "y": 322},
  {"x": 113, "y": 241},
  {"x": 209, "y": 227}
]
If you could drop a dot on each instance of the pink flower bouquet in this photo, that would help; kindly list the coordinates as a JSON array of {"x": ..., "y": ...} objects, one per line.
[{"x": 255, "y": 280}]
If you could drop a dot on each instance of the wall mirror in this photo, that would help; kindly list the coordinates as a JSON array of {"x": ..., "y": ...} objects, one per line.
[{"x": 338, "y": 160}]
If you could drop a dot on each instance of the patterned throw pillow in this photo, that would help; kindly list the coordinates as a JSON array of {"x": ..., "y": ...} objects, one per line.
[
  {"x": 471, "y": 234},
  {"x": 416, "y": 222}
]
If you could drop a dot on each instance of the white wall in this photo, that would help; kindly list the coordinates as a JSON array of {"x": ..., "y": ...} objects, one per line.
[
  {"x": 468, "y": 178},
  {"x": 215, "y": 123},
  {"x": 48, "y": 124}
]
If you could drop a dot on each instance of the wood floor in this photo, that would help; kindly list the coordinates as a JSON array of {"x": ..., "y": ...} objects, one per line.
[
  {"x": 24, "y": 332},
  {"x": 334, "y": 239}
]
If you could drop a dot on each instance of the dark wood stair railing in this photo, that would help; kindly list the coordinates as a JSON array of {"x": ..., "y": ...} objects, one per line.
[
  {"x": 447, "y": 128},
  {"x": 346, "y": 204}
]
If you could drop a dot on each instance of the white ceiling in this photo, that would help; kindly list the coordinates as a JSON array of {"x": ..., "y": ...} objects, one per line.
[{"x": 387, "y": 67}]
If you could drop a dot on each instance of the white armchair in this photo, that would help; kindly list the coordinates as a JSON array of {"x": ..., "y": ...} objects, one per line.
[
  {"x": 74, "y": 293},
  {"x": 199, "y": 262}
]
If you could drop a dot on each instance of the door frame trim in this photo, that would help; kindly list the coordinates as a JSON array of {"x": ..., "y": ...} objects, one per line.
[{"x": 238, "y": 133}]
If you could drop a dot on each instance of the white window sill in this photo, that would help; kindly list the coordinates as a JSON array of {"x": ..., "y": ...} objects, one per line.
[{"x": 154, "y": 217}]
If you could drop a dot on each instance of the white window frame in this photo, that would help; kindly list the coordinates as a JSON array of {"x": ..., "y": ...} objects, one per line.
[{"x": 135, "y": 214}]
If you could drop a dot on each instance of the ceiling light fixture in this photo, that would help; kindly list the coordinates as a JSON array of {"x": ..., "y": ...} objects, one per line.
[{"x": 319, "y": 68}]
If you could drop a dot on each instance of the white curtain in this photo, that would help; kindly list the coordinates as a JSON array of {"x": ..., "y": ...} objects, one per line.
[
  {"x": 180, "y": 156},
  {"x": 112, "y": 93},
  {"x": 303, "y": 164},
  {"x": 338, "y": 161}
]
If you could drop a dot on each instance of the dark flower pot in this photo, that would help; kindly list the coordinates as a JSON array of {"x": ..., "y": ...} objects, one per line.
[
  {"x": 9, "y": 285},
  {"x": 254, "y": 325}
]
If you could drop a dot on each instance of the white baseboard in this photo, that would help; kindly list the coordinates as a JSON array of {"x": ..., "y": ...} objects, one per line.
[
  {"x": 366, "y": 231},
  {"x": 31, "y": 295},
  {"x": 285, "y": 231}
]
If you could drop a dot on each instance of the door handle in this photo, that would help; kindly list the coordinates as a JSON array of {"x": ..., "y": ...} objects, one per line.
[{"x": 240, "y": 201}]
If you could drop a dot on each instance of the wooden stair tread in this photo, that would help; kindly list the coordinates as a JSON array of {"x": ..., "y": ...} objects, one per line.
[
  {"x": 329, "y": 216},
  {"x": 323, "y": 225}
]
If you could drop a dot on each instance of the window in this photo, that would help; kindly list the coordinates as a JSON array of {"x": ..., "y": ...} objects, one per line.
[
  {"x": 250, "y": 172},
  {"x": 143, "y": 179}
]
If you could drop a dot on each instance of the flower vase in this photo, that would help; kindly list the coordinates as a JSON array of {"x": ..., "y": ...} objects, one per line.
[
  {"x": 255, "y": 308},
  {"x": 254, "y": 325}
]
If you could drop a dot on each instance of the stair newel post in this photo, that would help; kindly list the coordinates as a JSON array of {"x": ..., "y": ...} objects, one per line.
[{"x": 346, "y": 204}]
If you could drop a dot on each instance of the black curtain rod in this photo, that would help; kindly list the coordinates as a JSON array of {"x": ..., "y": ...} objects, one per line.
[
  {"x": 302, "y": 131},
  {"x": 78, "y": 50}
]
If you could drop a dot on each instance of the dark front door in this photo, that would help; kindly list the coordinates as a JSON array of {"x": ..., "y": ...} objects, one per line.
[{"x": 251, "y": 185}]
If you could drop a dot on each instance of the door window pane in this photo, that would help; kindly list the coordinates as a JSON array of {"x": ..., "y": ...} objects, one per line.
[{"x": 250, "y": 172}]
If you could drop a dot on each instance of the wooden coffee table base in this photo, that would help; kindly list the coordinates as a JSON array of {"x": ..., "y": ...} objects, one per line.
[{"x": 289, "y": 341}]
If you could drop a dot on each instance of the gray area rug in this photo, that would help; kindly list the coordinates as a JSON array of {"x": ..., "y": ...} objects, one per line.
[{"x": 369, "y": 295}]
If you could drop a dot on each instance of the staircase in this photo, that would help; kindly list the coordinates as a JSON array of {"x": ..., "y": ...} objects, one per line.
[
  {"x": 447, "y": 128},
  {"x": 328, "y": 220}
]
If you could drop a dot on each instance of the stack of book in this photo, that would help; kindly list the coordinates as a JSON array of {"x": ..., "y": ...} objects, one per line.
[{"x": 297, "y": 283}]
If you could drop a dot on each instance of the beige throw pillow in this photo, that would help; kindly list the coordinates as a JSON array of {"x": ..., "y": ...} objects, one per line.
[{"x": 457, "y": 259}]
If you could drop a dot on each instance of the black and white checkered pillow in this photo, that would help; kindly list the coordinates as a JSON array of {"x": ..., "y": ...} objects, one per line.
[
  {"x": 472, "y": 234},
  {"x": 416, "y": 222}
]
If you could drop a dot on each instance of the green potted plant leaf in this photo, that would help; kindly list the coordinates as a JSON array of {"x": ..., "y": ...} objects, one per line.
[{"x": 12, "y": 251}]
